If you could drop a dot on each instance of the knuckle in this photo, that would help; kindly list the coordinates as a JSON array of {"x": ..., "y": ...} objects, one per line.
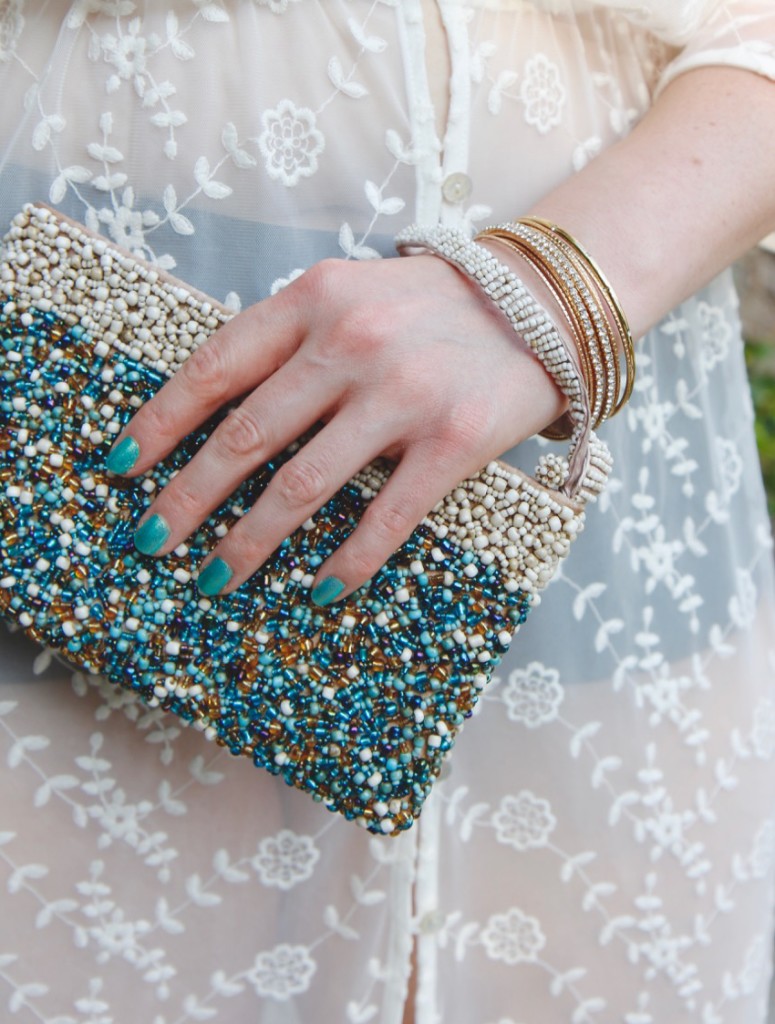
[
  {"x": 373, "y": 329},
  {"x": 317, "y": 280},
  {"x": 467, "y": 426},
  {"x": 352, "y": 336},
  {"x": 361, "y": 562},
  {"x": 240, "y": 434},
  {"x": 389, "y": 521},
  {"x": 153, "y": 420},
  {"x": 187, "y": 504},
  {"x": 411, "y": 382},
  {"x": 206, "y": 373},
  {"x": 300, "y": 484},
  {"x": 382, "y": 530},
  {"x": 242, "y": 549}
]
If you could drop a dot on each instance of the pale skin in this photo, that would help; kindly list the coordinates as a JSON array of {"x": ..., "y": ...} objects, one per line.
[{"x": 405, "y": 358}]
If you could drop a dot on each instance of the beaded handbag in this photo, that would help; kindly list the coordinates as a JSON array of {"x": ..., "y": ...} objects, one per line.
[{"x": 357, "y": 703}]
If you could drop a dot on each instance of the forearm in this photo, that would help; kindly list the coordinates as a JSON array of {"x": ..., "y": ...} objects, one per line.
[{"x": 686, "y": 193}]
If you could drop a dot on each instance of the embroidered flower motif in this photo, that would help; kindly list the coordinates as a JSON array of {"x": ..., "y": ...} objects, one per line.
[
  {"x": 125, "y": 226},
  {"x": 524, "y": 821},
  {"x": 282, "y": 972},
  {"x": 742, "y": 606},
  {"x": 659, "y": 558},
  {"x": 715, "y": 335},
  {"x": 11, "y": 26},
  {"x": 542, "y": 93},
  {"x": 665, "y": 693},
  {"x": 290, "y": 143},
  {"x": 286, "y": 859},
  {"x": 730, "y": 467},
  {"x": 654, "y": 417},
  {"x": 533, "y": 695},
  {"x": 763, "y": 732},
  {"x": 513, "y": 937},
  {"x": 127, "y": 52}
]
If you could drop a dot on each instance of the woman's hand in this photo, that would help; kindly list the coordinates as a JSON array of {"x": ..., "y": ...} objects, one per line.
[{"x": 403, "y": 358}]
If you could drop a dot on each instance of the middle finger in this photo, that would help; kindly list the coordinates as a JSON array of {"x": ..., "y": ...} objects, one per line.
[
  {"x": 296, "y": 492},
  {"x": 267, "y": 421}
]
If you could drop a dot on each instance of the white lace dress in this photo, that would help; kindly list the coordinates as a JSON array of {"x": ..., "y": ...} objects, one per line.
[{"x": 601, "y": 849}]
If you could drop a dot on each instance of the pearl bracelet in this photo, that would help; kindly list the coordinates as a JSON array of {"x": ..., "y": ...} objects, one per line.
[{"x": 525, "y": 315}]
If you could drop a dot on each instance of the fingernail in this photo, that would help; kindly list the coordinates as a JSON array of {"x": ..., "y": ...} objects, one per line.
[
  {"x": 123, "y": 456},
  {"x": 214, "y": 577},
  {"x": 327, "y": 590},
  {"x": 151, "y": 534}
]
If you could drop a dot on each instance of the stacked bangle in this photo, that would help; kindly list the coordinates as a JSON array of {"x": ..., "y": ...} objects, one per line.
[
  {"x": 524, "y": 314},
  {"x": 613, "y": 304},
  {"x": 597, "y": 323}
]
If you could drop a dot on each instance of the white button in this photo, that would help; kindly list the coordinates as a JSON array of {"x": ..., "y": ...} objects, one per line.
[
  {"x": 456, "y": 188},
  {"x": 431, "y": 922}
]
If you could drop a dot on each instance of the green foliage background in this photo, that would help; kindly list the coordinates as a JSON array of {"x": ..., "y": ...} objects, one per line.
[{"x": 761, "y": 368}]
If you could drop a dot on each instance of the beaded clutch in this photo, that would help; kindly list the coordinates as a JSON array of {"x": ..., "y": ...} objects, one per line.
[{"x": 357, "y": 703}]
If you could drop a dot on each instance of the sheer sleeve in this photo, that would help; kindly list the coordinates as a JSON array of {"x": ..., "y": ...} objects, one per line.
[{"x": 735, "y": 33}]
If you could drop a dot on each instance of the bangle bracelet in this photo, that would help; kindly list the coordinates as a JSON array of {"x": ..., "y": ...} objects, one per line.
[
  {"x": 600, "y": 335},
  {"x": 597, "y": 344},
  {"x": 556, "y": 431},
  {"x": 524, "y": 314},
  {"x": 623, "y": 326},
  {"x": 586, "y": 299}
]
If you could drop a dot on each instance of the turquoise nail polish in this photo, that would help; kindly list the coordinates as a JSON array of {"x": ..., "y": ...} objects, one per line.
[
  {"x": 151, "y": 534},
  {"x": 214, "y": 577},
  {"x": 327, "y": 591},
  {"x": 123, "y": 456}
]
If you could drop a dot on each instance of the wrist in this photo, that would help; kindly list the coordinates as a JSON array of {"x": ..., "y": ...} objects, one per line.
[{"x": 560, "y": 425}]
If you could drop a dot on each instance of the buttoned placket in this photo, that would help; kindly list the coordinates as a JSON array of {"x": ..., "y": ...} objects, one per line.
[{"x": 443, "y": 190}]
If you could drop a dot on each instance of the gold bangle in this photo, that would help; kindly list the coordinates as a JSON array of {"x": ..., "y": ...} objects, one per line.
[
  {"x": 623, "y": 326},
  {"x": 604, "y": 340},
  {"x": 601, "y": 400}
]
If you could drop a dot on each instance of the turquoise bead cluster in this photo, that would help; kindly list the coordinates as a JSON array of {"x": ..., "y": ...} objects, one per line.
[{"x": 357, "y": 703}]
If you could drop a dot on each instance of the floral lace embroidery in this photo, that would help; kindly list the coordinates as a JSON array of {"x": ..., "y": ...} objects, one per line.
[
  {"x": 286, "y": 859},
  {"x": 524, "y": 821},
  {"x": 275, "y": 6},
  {"x": 290, "y": 143},
  {"x": 625, "y": 789},
  {"x": 514, "y": 937},
  {"x": 542, "y": 93},
  {"x": 533, "y": 695},
  {"x": 283, "y": 972}
]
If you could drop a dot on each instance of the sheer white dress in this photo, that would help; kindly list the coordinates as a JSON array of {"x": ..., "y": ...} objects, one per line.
[{"x": 601, "y": 848}]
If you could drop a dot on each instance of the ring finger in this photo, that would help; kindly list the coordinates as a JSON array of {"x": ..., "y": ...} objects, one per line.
[{"x": 298, "y": 490}]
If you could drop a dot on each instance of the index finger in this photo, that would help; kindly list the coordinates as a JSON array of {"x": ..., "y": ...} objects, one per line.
[{"x": 236, "y": 358}]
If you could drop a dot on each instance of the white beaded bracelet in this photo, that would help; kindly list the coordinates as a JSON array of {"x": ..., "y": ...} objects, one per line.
[
  {"x": 529, "y": 319},
  {"x": 600, "y": 342}
]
